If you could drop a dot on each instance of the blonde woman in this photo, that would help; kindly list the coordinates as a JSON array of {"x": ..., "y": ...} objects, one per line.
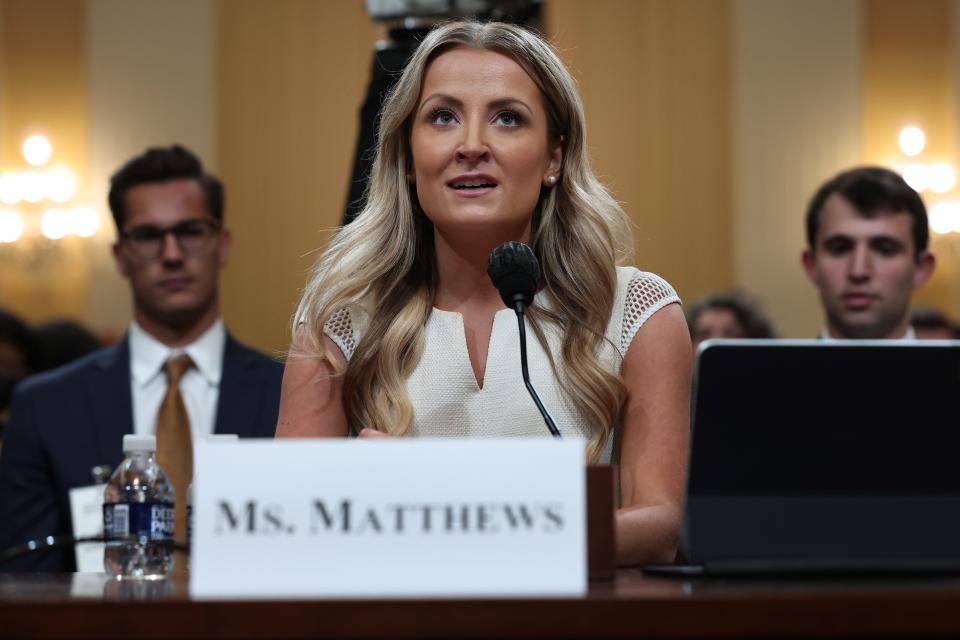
[{"x": 401, "y": 333}]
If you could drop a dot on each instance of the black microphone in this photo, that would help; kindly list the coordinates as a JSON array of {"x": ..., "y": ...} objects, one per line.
[{"x": 515, "y": 272}]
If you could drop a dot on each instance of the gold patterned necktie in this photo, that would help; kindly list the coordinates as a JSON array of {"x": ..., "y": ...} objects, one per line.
[{"x": 174, "y": 442}]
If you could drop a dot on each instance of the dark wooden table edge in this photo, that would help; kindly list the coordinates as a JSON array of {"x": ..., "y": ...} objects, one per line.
[{"x": 667, "y": 610}]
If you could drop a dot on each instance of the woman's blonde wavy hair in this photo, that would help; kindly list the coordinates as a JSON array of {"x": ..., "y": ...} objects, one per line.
[{"x": 382, "y": 265}]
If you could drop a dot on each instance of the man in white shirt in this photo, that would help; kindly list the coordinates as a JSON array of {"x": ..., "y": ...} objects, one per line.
[
  {"x": 171, "y": 246},
  {"x": 867, "y": 251}
]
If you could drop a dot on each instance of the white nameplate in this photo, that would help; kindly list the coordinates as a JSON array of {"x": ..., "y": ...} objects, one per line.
[
  {"x": 406, "y": 518},
  {"x": 86, "y": 512}
]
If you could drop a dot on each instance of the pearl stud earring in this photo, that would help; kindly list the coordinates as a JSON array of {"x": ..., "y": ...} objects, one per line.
[{"x": 551, "y": 180}]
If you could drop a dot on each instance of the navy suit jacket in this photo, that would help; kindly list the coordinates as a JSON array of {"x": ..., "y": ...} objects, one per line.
[{"x": 64, "y": 422}]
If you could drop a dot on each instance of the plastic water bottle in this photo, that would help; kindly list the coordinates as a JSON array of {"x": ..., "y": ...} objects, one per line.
[{"x": 138, "y": 505}]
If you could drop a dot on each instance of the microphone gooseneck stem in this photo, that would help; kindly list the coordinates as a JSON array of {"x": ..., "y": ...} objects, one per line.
[
  {"x": 67, "y": 540},
  {"x": 551, "y": 425}
]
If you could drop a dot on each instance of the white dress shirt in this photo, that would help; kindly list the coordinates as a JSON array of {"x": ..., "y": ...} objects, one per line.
[{"x": 200, "y": 385}]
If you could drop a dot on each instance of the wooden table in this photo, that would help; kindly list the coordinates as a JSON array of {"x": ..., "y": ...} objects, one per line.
[{"x": 632, "y": 605}]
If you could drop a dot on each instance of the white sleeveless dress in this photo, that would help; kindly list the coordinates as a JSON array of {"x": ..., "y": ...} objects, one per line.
[{"x": 443, "y": 389}]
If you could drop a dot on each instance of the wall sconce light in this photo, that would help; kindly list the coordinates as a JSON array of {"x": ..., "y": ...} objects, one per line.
[
  {"x": 37, "y": 206},
  {"x": 934, "y": 179}
]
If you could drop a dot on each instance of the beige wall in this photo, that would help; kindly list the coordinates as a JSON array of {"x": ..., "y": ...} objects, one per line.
[
  {"x": 655, "y": 77},
  {"x": 292, "y": 76},
  {"x": 796, "y": 121},
  {"x": 3, "y": 77},
  {"x": 955, "y": 68}
]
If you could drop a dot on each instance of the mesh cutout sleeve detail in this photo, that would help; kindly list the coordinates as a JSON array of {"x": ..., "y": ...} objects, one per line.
[
  {"x": 647, "y": 293},
  {"x": 339, "y": 328}
]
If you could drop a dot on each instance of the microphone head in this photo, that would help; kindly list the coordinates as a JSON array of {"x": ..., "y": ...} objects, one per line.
[{"x": 515, "y": 272}]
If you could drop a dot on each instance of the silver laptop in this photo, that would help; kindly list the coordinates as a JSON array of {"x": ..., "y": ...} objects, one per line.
[{"x": 823, "y": 456}]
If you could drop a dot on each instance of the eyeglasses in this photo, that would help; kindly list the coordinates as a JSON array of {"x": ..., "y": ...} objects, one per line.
[{"x": 146, "y": 241}]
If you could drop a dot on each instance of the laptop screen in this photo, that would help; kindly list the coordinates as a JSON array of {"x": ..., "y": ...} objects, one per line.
[{"x": 826, "y": 417}]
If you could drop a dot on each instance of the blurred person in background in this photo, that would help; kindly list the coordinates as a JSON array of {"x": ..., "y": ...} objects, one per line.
[
  {"x": 932, "y": 324},
  {"x": 727, "y": 315},
  {"x": 18, "y": 359},
  {"x": 177, "y": 373},
  {"x": 867, "y": 251},
  {"x": 63, "y": 341}
]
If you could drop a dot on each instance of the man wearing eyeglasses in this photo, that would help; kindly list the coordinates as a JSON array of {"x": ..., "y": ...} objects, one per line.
[{"x": 177, "y": 373}]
